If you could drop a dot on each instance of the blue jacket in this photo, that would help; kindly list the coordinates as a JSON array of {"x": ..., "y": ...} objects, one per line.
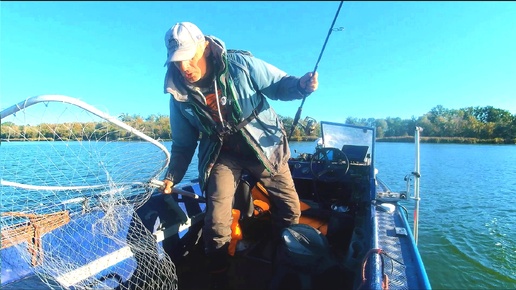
[{"x": 246, "y": 81}]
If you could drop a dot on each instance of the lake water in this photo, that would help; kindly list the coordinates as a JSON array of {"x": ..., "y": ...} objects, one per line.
[{"x": 467, "y": 217}]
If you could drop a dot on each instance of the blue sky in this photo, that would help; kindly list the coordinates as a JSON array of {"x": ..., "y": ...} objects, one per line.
[{"x": 393, "y": 59}]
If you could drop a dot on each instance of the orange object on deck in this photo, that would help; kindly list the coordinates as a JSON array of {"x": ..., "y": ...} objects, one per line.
[{"x": 236, "y": 232}]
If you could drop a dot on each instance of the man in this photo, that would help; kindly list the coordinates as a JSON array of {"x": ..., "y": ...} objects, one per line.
[{"x": 220, "y": 96}]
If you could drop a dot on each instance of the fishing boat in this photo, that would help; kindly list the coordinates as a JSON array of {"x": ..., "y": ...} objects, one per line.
[{"x": 81, "y": 210}]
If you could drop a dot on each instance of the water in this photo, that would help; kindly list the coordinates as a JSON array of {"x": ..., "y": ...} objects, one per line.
[
  {"x": 73, "y": 164},
  {"x": 467, "y": 209}
]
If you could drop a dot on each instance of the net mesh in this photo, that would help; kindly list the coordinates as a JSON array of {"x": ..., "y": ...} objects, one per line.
[{"x": 71, "y": 182}]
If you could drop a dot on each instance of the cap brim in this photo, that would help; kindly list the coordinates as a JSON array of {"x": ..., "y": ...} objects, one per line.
[{"x": 182, "y": 54}]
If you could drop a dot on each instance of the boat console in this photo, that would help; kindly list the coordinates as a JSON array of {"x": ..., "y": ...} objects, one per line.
[{"x": 340, "y": 168}]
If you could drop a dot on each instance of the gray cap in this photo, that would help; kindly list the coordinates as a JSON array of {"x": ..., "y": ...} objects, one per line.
[{"x": 181, "y": 41}]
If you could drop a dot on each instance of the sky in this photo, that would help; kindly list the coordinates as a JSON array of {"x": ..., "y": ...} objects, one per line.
[{"x": 390, "y": 59}]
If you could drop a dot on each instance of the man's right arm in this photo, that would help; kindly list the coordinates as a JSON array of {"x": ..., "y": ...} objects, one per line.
[{"x": 184, "y": 143}]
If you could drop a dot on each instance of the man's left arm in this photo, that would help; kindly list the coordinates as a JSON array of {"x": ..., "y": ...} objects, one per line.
[{"x": 277, "y": 85}]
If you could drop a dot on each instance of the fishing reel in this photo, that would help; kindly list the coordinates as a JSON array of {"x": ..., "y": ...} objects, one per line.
[{"x": 308, "y": 125}]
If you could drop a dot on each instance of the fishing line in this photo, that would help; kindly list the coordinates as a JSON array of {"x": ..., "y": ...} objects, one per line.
[{"x": 298, "y": 114}]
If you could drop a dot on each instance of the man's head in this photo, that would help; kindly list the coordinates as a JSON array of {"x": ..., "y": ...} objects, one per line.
[{"x": 186, "y": 48}]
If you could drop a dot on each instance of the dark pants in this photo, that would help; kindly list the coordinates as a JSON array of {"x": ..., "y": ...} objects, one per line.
[{"x": 224, "y": 177}]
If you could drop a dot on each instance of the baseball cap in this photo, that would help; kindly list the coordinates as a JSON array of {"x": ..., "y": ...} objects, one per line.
[{"x": 181, "y": 41}]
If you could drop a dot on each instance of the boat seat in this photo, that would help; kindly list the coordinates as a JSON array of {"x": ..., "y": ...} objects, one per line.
[{"x": 252, "y": 200}]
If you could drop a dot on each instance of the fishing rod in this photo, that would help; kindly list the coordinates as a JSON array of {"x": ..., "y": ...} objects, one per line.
[{"x": 298, "y": 114}]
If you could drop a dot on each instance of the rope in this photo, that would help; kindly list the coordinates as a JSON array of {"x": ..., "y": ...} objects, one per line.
[{"x": 385, "y": 278}]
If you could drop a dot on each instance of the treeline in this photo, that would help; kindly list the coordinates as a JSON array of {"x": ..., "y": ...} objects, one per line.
[
  {"x": 487, "y": 125},
  {"x": 440, "y": 125},
  {"x": 155, "y": 126}
]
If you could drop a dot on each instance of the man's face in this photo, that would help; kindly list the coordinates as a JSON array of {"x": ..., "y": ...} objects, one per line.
[{"x": 194, "y": 69}]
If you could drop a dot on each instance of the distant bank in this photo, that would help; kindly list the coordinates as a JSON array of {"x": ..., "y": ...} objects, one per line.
[
  {"x": 410, "y": 139},
  {"x": 455, "y": 140}
]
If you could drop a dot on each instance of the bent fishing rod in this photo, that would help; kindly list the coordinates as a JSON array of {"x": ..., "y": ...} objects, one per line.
[{"x": 298, "y": 114}]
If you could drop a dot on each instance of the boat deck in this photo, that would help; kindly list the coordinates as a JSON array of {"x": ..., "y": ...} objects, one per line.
[
  {"x": 401, "y": 264},
  {"x": 251, "y": 269},
  {"x": 32, "y": 282}
]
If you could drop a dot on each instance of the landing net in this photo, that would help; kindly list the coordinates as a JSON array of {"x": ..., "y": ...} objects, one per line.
[{"x": 72, "y": 178}]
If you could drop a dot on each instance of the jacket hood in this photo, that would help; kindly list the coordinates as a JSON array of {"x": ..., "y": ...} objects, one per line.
[{"x": 174, "y": 84}]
